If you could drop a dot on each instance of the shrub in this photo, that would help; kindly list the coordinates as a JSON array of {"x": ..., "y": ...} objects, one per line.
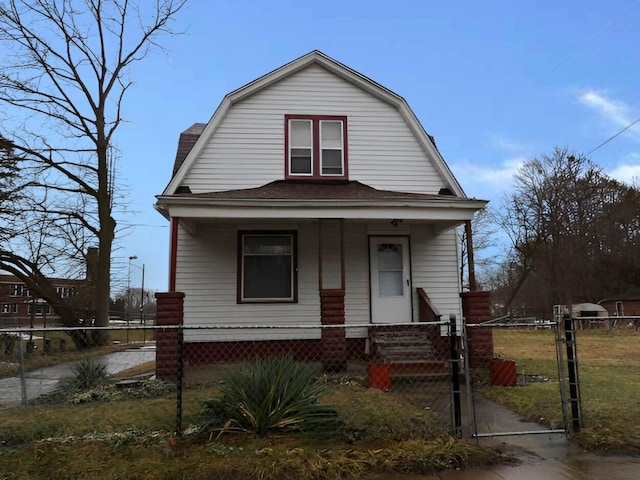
[
  {"x": 271, "y": 394},
  {"x": 87, "y": 374}
]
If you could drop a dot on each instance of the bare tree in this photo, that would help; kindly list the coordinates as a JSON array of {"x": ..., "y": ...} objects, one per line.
[
  {"x": 572, "y": 229},
  {"x": 484, "y": 241},
  {"x": 8, "y": 175},
  {"x": 64, "y": 73}
]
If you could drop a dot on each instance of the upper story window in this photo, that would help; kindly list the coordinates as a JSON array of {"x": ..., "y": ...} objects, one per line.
[
  {"x": 66, "y": 292},
  {"x": 17, "y": 290},
  {"x": 316, "y": 147}
]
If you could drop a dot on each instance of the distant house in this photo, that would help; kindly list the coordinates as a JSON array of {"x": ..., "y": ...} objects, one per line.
[
  {"x": 312, "y": 197},
  {"x": 624, "y": 304}
]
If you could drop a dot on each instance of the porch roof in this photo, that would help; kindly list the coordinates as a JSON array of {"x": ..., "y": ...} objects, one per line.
[{"x": 310, "y": 200}]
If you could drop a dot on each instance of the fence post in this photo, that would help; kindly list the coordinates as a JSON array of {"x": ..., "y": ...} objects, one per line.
[
  {"x": 455, "y": 377},
  {"x": 180, "y": 383},
  {"x": 572, "y": 363},
  {"x": 471, "y": 420},
  {"x": 23, "y": 382},
  {"x": 558, "y": 318}
]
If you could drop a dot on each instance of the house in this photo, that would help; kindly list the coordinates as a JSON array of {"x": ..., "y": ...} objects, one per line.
[
  {"x": 18, "y": 307},
  {"x": 312, "y": 197},
  {"x": 625, "y": 304}
]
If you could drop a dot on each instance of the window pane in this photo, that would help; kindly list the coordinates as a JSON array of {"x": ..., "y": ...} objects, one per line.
[
  {"x": 390, "y": 284},
  {"x": 300, "y": 161},
  {"x": 390, "y": 256},
  {"x": 267, "y": 267},
  {"x": 332, "y": 162},
  {"x": 267, "y": 277},
  {"x": 331, "y": 134},
  {"x": 300, "y": 133},
  {"x": 267, "y": 244}
]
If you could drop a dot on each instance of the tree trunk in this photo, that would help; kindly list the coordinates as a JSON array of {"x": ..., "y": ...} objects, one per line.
[{"x": 105, "y": 239}]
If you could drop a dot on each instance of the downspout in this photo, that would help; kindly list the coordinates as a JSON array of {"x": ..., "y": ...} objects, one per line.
[
  {"x": 173, "y": 254},
  {"x": 472, "y": 270}
]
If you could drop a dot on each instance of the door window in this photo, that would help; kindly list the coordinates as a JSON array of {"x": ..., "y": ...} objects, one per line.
[{"x": 390, "y": 281}]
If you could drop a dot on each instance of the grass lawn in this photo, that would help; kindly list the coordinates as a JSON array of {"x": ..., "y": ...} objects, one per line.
[{"x": 609, "y": 372}]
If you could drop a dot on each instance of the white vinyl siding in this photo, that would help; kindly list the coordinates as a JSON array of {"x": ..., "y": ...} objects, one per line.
[
  {"x": 434, "y": 267},
  {"x": 206, "y": 271},
  {"x": 247, "y": 150}
]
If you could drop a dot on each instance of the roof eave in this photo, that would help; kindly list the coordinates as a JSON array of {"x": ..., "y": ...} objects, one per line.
[{"x": 437, "y": 210}]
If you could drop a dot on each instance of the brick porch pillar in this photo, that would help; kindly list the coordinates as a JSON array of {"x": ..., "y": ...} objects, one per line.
[
  {"x": 334, "y": 342},
  {"x": 476, "y": 309},
  {"x": 169, "y": 313}
]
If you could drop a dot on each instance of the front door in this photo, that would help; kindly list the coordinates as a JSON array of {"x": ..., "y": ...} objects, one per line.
[{"x": 390, "y": 279}]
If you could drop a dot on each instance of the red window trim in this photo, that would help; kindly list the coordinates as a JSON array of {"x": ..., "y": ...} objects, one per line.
[{"x": 315, "y": 148}]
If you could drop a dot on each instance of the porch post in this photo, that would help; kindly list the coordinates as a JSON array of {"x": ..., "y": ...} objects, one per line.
[{"x": 334, "y": 341}]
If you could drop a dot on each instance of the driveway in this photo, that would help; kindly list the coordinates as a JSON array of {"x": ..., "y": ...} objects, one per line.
[{"x": 47, "y": 379}]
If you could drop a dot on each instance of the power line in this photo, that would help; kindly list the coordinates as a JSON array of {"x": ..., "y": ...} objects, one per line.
[{"x": 613, "y": 136}]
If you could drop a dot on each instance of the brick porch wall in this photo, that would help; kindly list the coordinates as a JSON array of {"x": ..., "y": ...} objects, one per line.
[
  {"x": 170, "y": 312},
  {"x": 476, "y": 309},
  {"x": 334, "y": 342}
]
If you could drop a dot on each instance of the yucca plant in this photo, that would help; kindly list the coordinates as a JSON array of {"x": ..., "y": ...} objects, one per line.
[
  {"x": 271, "y": 394},
  {"x": 87, "y": 374}
]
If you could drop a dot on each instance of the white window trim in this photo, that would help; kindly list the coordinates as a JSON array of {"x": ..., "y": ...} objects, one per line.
[
  {"x": 291, "y": 147},
  {"x": 341, "y": 174}
]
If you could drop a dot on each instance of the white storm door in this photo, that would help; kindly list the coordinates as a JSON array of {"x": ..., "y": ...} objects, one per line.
[{"x": 390, "y": 280}]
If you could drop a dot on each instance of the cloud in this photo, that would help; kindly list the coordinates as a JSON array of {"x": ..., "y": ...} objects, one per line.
[
  {"x": 611, "y": 110},
  {"x": 507, "y": 144},
  {"x": 628, "y": 170},
  {"x": 487, "y": 181}
]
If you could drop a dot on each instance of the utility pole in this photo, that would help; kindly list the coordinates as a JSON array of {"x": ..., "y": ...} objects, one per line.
[
  {"x": 126, "y": 310},
  {"x": 142, "y": 297}
]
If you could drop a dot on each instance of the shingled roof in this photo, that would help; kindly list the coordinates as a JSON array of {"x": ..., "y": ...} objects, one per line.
[
  {"x": 306, "y": 190},
  {"x": 633, "y": 294}
]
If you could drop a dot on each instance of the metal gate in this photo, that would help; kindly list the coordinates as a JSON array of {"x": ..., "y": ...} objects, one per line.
[{"x": 504, "y": 360}]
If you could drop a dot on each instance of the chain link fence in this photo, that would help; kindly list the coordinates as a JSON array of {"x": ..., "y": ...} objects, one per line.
[
  {"x": 517, "y": 360},
  {"x": 404, "y": 364},
  {"x": 37, "y": 363},
  {"x": 409, "y": 362},
  {"x": 459, "y": 381}
]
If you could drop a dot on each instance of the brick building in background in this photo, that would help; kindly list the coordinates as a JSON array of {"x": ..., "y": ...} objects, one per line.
[{"x": 20, "y": 307}]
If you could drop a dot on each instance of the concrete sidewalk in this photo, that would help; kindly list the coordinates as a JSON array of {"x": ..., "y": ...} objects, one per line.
[{"x": 540, "y": 456}]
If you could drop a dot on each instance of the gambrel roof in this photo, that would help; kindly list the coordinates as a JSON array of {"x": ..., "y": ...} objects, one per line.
[{"x": 193, "y": 140}]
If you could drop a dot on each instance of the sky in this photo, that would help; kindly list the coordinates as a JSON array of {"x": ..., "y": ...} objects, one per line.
[{"x": 496, "y": 83}]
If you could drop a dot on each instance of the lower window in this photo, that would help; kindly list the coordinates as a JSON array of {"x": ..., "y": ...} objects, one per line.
[{"x": 267, "y": 266}]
